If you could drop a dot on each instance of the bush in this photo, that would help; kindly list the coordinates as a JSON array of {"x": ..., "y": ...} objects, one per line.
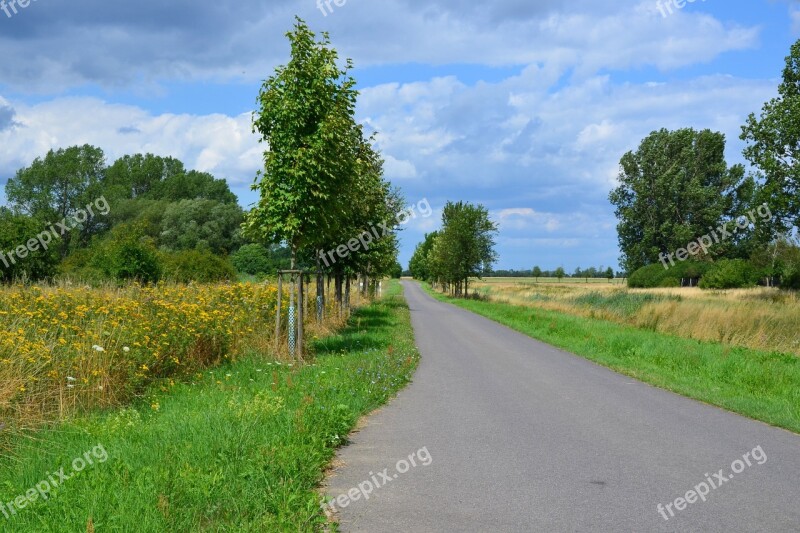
[
  {"x": 126, "y": 256},
  {"x": 201, "y": 266},
  {"x": 730, "y": 274},
  {"x": 656, "y": 275},
  {"x": 80, "y": 266},
  {"x": 252, "y": 259}
]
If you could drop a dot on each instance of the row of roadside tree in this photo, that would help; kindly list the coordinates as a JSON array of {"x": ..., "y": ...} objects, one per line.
[
  {"x": 461, "y": 249},
  {"x": 322, "y": 186}
]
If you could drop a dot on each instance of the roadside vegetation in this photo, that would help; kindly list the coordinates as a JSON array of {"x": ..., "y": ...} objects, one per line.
[
  {"x": 67, "y": 349},
  {"x": 241, "y": 447},
  {"x": 761, "y": 384},
  {"x": 759, "y": 318}
]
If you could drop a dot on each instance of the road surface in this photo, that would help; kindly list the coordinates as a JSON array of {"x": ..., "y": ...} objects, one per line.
[{"x": 509, "y": 434}]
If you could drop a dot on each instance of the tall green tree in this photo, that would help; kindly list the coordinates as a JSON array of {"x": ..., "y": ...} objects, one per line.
[
  {"x": 305, "y": 118},
  {"x": 673, "y": 189},
  {"x": 56, "y": 187},
  {"x": 420, "y": 263},
  {"x": 138, "y": 175},
  {"x": 465, "y": 246},
  {"x": 201, "y": 224},
  {"x": 17, "y": 230},
  {"x": 774, "y": 148}
]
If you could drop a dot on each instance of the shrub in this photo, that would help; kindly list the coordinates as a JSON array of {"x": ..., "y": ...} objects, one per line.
[
  {"x": 253, "y": 259},
  {"x": 730, "y": 274},
  {"x": 197, "y": 265},
  {"x": 80, "y": 266},
  {"x": 656, "y": 275},
  {"x": 127, "y": 256}
]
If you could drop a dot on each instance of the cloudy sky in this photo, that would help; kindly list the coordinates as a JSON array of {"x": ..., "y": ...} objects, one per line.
[{"x": 525, "y": 106}]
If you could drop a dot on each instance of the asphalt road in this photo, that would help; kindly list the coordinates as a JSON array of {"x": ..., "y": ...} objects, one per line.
[{"x": 520, "y": 436}]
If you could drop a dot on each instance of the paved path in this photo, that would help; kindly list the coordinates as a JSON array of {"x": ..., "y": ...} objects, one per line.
[{"x": 520, "y": 436}]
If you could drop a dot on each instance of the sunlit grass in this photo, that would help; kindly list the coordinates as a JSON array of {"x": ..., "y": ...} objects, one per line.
[
  {"x": 761, "y": 318},
  {"x": 243, "y": 448}
]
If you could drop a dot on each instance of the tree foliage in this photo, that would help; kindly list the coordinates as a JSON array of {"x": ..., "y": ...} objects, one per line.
[
  {"x": 774, "y": 148},
  {"x": 463, "y": 248},
  {"x": 674, "y": 188}
]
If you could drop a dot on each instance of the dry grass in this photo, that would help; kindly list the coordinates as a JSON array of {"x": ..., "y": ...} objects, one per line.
[
  {"x": 68, "y": 349},
  {"x": 762, "y": 318}
]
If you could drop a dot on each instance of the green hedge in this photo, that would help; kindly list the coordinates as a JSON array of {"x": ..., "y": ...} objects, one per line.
[{"x": 656, "y": 275}]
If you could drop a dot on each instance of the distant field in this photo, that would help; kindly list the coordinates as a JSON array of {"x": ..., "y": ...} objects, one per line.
[
  {"x": 566, "y": 281},
  {"x": 761, "y": 318}
]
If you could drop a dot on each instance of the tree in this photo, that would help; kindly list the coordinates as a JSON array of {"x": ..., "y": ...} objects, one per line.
[
  {"x": 464, "y": 247},
  {"x": 56, "y": 187},
  {"x": 673, "y": 189},
  {"x": 193, "y": 224},
  {"x": 536, "y": 273},
  {"x": 16, "y": 231},
  {"x": 256, "y": 259},
  {"x": 560, "y": 273},
  {"x": 420, "y": 264},
  {"x": 774, "y": 148},
  {"x": 609, "y": 274},
  {"x": 193, "y": 185},
  {"x": 305, "y": 118},
  {"x": 397, "y": 271},
  {"x": 138, "y": 175}
]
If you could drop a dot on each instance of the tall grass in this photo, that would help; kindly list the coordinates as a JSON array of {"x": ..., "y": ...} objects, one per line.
[
  {"x": 761, "y": 319},
  {"x": 67, "y": 349},
  {"x": 243, "y": 448}
]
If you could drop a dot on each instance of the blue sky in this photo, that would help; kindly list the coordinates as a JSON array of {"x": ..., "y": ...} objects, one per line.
[{"x": 525, "y": 106}]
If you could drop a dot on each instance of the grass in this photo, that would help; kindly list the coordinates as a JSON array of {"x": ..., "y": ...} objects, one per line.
[
  {"x": 68, "y": 349},
  {"x": 241, "y": 449},
  {"x": 761, "y": 318},
  {"x": 758, "y": 384}
]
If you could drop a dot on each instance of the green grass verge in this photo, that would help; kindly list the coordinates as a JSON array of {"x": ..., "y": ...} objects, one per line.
[
  {"x": 761, "y": 385},
  {"x": 242, "y": 449}
]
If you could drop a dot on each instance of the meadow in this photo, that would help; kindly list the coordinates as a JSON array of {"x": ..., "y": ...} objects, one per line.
[
  {"x": 760, "y": 318},
  {"x": 241, "y": 446},
  {"x": 70, "y": 349}
]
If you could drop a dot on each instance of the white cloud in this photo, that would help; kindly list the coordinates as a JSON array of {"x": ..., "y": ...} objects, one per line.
[{"x": 222, "y": 145}]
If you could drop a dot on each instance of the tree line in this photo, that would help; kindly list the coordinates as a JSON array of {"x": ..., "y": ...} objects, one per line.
[
  {"x": 461, "y": 249},
  {"x": 160, "y": 219},
  {"x": 684, "y": 213},
  {"x": 536, "y": 273}
]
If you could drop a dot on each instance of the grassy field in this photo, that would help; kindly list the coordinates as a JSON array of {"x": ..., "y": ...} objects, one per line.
[
  {"x": 563, "y": 281},
  {"x": 241, "y": 448},
  {"x": 70, "y": 349},
  {"x": 762, "y": 319},
  {"x": 764, "y": 385}
]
